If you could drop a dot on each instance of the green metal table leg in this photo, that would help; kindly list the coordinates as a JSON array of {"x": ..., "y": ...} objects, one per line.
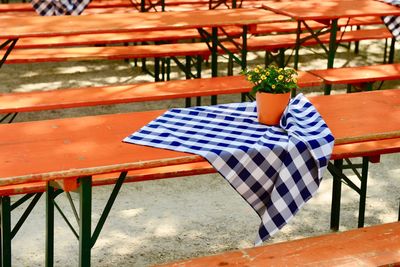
[
  {"x": 392, "y": 50},
  {"x": 85, "y": 232},
  {"x": 214, "y": 59},
  {"x": 363, "y": 191},
  {"x": 336, "y": 195},
  {"x": 156, "y": 69},
  {"x": 188, "y": 100},
  {"x": 5, "y": 231},
  {"x": 297, "y": 48},
  {"x": 50, "y": 195},
  {"x": 348, "y": 88},
  {"x": 369, "y": 86},
  {"x": 332, "y": 51}
]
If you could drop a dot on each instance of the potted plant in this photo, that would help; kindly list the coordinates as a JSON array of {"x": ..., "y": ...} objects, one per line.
[{"x": 271, "y": 87}]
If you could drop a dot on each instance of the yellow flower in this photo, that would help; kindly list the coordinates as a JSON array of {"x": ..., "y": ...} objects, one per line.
[
  {"x": 273, "y": 86},
  {"x": 280, "y": 70},
  {"x": 294, "y": 80},
  {"x": 249, "y": 78},
  {"x": 280, "y": 77},
  {"x": 267, "y": 73},
  {"x": 256, "y": 70},
  {"x": 263, "y": 77}
]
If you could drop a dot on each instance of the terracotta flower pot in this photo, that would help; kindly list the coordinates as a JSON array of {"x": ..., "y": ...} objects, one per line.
[{"x": 270, "y": 107}]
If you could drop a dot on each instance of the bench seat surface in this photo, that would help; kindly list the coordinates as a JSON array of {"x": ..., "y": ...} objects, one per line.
[
  {"x": 371, "y": 246},
  {"x": 359, "y": 74}
]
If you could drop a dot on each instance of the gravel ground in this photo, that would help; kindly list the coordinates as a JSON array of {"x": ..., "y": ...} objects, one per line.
[{"x": 160, "y": 221}]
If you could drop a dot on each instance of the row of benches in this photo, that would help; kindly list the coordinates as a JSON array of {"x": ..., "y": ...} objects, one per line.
[
  {"x": 199, "y": 50},
  {"x": 139, "y": 92}
]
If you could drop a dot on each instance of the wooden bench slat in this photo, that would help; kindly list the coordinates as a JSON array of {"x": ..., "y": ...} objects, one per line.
[
  {"x": 106, "y": 53},
  {"x": 370, "y": 246},
  {"x": 360, "y": 74},
  {"x": 282, "y": 27},
  {"x": 273, "y": 42},
  {"x": 116, "y": 38},
  {"x": 107, "y": 95}
]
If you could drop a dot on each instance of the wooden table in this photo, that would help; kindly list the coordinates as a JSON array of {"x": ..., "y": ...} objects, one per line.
[
  {"x": 329, "y": 12},
  {"x": 36, "y": 26},
  {"x": 75, "y": 149}
]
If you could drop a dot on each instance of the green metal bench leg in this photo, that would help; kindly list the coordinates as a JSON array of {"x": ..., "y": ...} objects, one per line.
[
  {"x": 336, "y": 195},
  {"x": 50, "y": 195},
  {"x": 85, "y": 242},
  {"x": 5, "y": 231},
  {"x": 363, "y": 192}
]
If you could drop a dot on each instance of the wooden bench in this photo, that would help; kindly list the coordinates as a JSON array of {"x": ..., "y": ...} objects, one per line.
[
  {"x": 371, "y": 246},
  {"x": 140, "y": 92},
  {"x": 257, "y": 43},
  {"x": 359, "y": 77},
  {"x": 291, "y": 26}
]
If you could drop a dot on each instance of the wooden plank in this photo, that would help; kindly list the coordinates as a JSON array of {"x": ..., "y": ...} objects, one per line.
[
  {"x": 360, "y": 74},
  {"x": 19, "y": 56},
  {"x": 370, "y": 246},
  {"x": 139, "y": 92},
  {"x": 333, "y": 9},
  {"x": 111, "y": 23}
]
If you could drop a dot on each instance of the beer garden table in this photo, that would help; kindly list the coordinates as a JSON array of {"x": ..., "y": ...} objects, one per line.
[
  {"x": 328, "y": 12},
  {"x": 75, "y": 149}
]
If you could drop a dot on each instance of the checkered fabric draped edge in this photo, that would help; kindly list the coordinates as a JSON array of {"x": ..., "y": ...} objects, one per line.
[
  {"x": 275, "y": 169},
  {"x": 59, "y": 7},
  {"x": 393, "y": 22}
]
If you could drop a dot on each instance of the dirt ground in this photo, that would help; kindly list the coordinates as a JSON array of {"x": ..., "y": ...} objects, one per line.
[{"x": 161, "y": 221}]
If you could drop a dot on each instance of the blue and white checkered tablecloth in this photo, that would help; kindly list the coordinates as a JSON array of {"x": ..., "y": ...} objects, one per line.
[
  {"x": 59, "y": 7},
  {"x": 275, "y": 169},
  {"x": 393, "y": 22}
]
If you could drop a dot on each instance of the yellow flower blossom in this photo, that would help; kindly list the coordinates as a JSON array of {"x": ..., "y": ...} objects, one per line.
[
  {"x": 256, "y": 70},
  {"x": 294, "y": 80},
  {"x": 273, "y": 86},
  {"x": 263, "y": 77},
  {"x": 267, "y": 73},
  {"x": 249, "y": 78},
  {"x": 280, "y": 77},
  {"x": 280, "y": 70}
]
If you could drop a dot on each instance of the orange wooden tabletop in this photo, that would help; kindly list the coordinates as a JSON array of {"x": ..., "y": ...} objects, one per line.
[
  {"x": 66, "y": 148},
  {"x": 30, "y": 26},
  {"x": 331, "y": 9},
  {"x": 359, "y": 74}
]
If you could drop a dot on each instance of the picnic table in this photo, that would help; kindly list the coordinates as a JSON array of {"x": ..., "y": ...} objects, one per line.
[
  {"x": 70, "y": 151},
  {"x": 11, "y": 29},
  {"x": 328, "y": 12}
]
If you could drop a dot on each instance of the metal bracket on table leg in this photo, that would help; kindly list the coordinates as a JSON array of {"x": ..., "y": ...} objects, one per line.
[
  {"x": 8, "y": 233},
  {"x": 12, "y": 43},
  {"x": 336, "y": 170},
  {"x": 13, "y": 115},
  {"x": 86, "y": 239}
]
